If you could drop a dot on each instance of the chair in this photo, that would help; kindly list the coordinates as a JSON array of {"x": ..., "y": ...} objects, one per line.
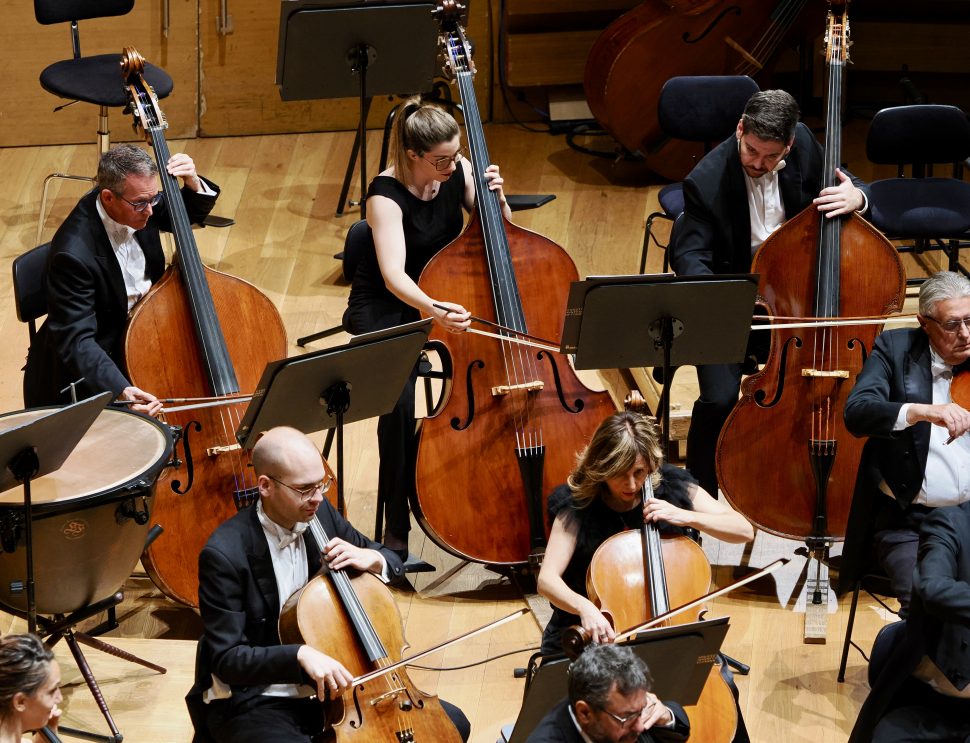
[
  {"x": 30, "y": 286},
  {"x": 934, "y": 212},
  {"x": 94, "y": 79},
  {"x": 703, "y": 109}
]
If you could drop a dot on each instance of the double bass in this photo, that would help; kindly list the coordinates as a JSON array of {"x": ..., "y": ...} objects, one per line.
[
  {"x": 660, "y": 39},
  {"x": 176, "y": 347},
  {"x": 352, "y": 617},
  {"x": 513, "y": 418},
  {"x": 815, "y": 268}
]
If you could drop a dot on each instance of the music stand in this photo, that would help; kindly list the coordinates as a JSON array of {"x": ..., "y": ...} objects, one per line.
[
  {"x": 684, "y": 652},
  {"x": 339, "y": 49},
  {"x": 312, "y": 392},
  {"x": 615, "y": 322}
]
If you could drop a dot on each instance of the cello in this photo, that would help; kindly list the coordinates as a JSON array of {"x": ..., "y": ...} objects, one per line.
[
  {"x": 175, "y": 345},
  {"x": 815, "y": 268},
  {"x": 637, "y": 575},
  {"x": 659, "y": 39},
  {"x": 512, "y": 419},
  {"x": 335, "y": 612}
]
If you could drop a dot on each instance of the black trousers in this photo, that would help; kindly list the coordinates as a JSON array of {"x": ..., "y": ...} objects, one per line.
[
  {"x": 917, "y": 713},
  {"x": 269, "y": 719},
  {"x": 719, "y": 387},
  {"x": 397, "y": 440},
  {"x": 896, "y": 539}
]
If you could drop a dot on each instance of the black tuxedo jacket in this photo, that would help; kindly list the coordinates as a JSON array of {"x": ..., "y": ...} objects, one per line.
[
  {"x": 897, "y": 371},
  {"x": 558, "y": 727},
  {"x": 240, "y": 608},
  {"x": 939, "y": 621},
  {"x": 716, "y": 232},
  {"x": 88, "y": 304}
]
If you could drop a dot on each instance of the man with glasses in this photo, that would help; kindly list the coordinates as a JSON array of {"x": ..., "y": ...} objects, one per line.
[
  {"x": 610, "y": 702},
  {"x": 766, "y": 172},
  {"x": 249, "y": 686},
  {"x": 918, "y": 454},
  {"x": 103, "y": 259}
]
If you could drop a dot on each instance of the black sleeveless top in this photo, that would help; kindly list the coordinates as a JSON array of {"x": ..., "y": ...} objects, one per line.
[
  {"x": 597, "y": 523},
  {"x": 428, "y": 227}
]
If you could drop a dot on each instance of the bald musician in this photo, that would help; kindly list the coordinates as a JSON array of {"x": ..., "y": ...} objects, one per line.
[
  {"x": 901, "y": 401},
  {"x": 103, "y": 259},
  {"x": 250, "y": 688},
  {"x": 768, "y": 171}
]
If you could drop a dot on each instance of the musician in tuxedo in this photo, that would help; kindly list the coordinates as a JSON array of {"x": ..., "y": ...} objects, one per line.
[
  {"x": 249, "y": 687},
  {"x": 901, "y": 401},
  {"x": 610, "y": 701},
  {"x": 922, "y": 690},
  {"x": 103, "y": 259},
  {"x": 768, "y": 171}
]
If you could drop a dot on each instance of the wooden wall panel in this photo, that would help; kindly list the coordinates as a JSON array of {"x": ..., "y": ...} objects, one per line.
[
  {"x": 26, "y": 109},
  {"x": 239, "y": 92}
]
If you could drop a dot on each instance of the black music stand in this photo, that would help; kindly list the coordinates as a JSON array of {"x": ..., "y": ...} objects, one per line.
[
  {"x": 312, "y": 392},
  {"x": 679, "y": 657},
  {"x": 618, "y": 322},
  {"x": 32, "y": 450},
  {"x": 340, "y": 48}
]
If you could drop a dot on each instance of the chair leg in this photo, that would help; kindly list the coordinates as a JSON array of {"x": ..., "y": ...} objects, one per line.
[
  {"x": 648, "y": 235},
  {"x": 43, "y": 198},
  {"x": 104, "y": 144},
  {"x": 848, "y": 633}
]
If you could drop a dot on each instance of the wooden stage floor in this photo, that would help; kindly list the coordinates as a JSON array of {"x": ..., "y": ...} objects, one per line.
[{"x": 282, "y": 192}]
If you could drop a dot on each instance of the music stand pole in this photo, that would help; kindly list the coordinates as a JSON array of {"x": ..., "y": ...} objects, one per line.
[
  {"x": 359, "y": 58},
  {"x": 24, "y": 466}
]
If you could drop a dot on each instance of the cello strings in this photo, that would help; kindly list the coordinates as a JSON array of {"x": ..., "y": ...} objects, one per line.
[{"x": 777, "y": 29}]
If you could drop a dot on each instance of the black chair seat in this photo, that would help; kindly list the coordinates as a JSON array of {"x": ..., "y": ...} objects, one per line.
[
  {"x": 98, "y": 80},
  {"x": 921, "y": 207}
]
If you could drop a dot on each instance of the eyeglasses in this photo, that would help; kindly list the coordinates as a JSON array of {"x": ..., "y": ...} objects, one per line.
[
  {"x": 140, "y": 206},
  {"x": 441, "y": 164},
  {"x": 627, "y": 719},
  {"x": 952, "y": 326},
  {"x": 306, "y": 493}
]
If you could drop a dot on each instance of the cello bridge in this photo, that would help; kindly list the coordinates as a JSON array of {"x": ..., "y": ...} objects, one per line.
[
  {"x": 214, "y": 451},
  {"x": 505, "y": 389},
  {"x": 834, "y": 373},
  {"x": 389, "y": 694}
]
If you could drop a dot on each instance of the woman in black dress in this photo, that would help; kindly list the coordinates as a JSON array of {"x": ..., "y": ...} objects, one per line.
[
  {"x": 414, "y": 208},
  {"x": 603, "y": 498}
]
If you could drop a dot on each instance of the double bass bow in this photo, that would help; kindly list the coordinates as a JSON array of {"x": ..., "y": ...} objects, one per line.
[
  {"x": 176, "y": 345},
  {"x": 513, "y": 418},
  {"x": 784, "y": 458}
]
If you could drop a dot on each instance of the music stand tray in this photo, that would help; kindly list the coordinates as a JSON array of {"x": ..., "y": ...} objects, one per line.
[
  {"x": 619, "y": 322},
  {"x": 679, "y": 657}
]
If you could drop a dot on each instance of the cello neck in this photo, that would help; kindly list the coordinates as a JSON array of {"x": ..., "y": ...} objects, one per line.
[
  {"x": 149, "y": 117},
  {"x": 830, "y": 232},
  {"x": 653, "y": 561},
  {"x": 344, "y": 589},
  {"x": 505, "y": 290}
]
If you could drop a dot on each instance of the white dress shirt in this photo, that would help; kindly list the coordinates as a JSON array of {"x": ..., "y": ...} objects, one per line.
[
  {"x": 765, "y": 206},
  {"x": 946, "y": 481},
  {"x": 129, "y": 255}
]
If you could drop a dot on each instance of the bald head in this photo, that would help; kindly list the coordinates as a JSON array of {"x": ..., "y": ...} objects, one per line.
[{"x": 283, "y": 450}]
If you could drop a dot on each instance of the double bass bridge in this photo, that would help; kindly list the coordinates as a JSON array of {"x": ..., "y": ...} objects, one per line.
[
  {"x": 826, "y": 373},
  {"x": 507, "y": 389}
]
